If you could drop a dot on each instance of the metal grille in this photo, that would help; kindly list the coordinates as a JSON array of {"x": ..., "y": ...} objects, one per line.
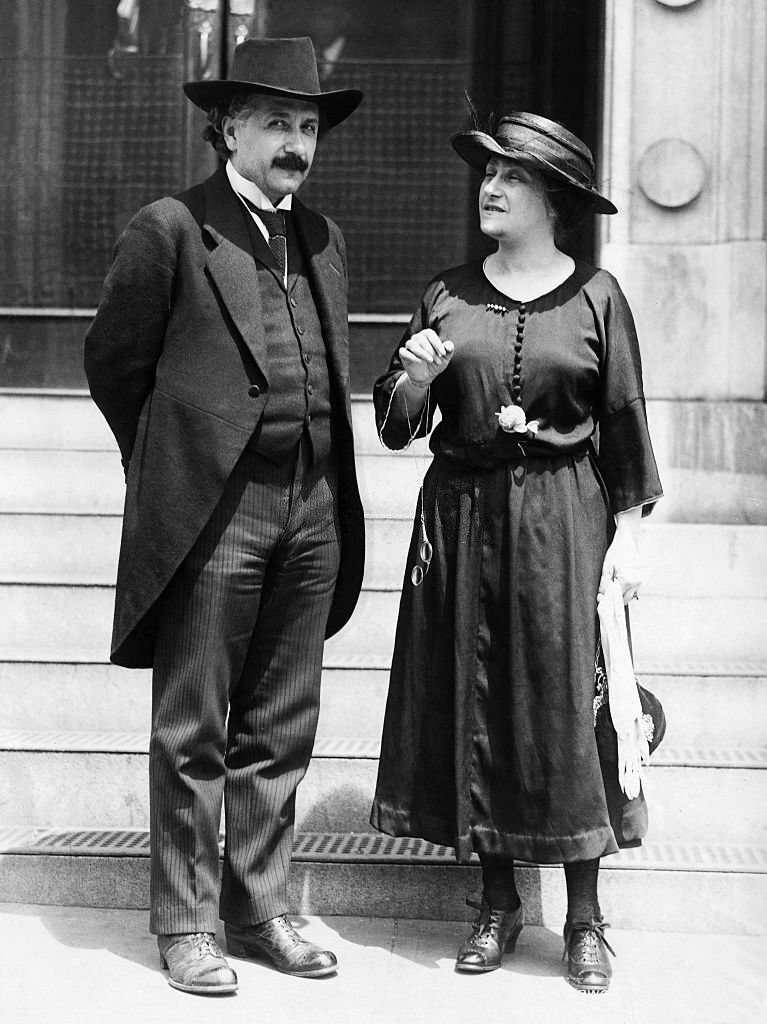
[
  {"x": 75, "y": 842},
  {"x": 119, "y": 153},
  {"x": 391, "y": 179},
  {"x": 331, "y": 847},
  {"x": 87, "y": 149},
  {"x": 365, "y": 848},
  {"x": 103, "y": 146},
  {"x": 349, "y": 747}
]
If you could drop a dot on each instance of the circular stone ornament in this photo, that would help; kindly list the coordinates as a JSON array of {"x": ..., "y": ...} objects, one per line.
[{"x": 672, "y": 173}]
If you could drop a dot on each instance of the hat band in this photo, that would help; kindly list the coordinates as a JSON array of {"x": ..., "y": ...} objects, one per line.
[
  {"x": 571, "y": 144},
  {"x": 571, "y": 172}
]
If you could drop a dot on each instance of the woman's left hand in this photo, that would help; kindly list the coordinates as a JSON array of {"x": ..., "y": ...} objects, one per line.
[{"x": 622, "y": 557}]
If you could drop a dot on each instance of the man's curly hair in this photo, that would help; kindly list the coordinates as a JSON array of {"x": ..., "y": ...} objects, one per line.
[{"x": 214, "y": 130}]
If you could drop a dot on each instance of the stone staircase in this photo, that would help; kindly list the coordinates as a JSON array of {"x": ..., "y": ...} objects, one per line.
[{"x": 74, "y": 729}]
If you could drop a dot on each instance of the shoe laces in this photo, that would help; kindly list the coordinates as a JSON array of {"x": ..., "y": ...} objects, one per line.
[
  {"x": 205, "y": 945},
  {"x": 482, "y": 929},
  {"x": 289, "y": 930},
  {"x": 592, "y": 934}
]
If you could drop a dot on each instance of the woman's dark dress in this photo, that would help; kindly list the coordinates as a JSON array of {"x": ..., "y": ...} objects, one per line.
[{"x": 488, "y": 742}]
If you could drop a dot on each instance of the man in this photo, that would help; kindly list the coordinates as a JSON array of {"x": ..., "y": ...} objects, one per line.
[{"x": 219, "y": 357}]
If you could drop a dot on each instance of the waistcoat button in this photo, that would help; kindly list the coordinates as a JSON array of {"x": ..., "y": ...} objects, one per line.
[{"x": 254, "y": 390}]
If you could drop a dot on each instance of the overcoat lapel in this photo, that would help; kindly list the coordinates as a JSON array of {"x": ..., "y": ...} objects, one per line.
[{"x": 230, "y": 264}]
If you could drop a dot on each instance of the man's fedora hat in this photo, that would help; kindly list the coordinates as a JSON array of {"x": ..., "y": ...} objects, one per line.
[
  {"x": 277, "y": 67},
  {"x": 535, "y": 139}
]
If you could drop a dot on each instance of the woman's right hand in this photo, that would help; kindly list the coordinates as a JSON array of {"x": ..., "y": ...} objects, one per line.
[{"x": 424, "y": 356}]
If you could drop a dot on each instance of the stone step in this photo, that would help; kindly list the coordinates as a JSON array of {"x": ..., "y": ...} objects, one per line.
[
  {"x": 72, "y": 422},
  {"x": 682, "y": 430},
  {"x": 85, "y": 482},
  {"x": 51, "y": 420},
  {"x": 105, "y": 698},
  {"x": 671, "y": 635},
  {"x": 717, "y": 560},
  {"x": 720, "y": 888},
  {"x": 77, "y": 482},
  {"x": 701, "y": 710},
  {"x": 64, "y": 528},
  {"x": 92, "y": 482},
  {"x": 708, "y": 475},
  {"x": 59, "y": 780},
  {"x": 59, "y": 548},
  {"x": 73, "y": 624}
]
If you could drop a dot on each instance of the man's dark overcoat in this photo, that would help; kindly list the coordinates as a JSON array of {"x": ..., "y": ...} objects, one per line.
[{"x": 176, "y": 360}]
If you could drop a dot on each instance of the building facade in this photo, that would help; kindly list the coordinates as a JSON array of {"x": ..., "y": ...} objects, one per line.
[{"x": 669, "y": 93}]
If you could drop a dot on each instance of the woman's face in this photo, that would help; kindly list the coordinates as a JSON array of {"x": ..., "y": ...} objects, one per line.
[{"x": 512, "y": 202}]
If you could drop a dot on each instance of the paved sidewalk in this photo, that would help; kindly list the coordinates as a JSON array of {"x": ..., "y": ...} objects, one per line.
[{"x": 63, "y": 965}]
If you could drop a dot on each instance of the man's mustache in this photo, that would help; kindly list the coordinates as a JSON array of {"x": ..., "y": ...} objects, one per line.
[{"x": 291, "y": 162}]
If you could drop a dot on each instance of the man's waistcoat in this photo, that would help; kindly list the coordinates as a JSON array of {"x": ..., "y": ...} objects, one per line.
[{"x": 299, "y": 386}]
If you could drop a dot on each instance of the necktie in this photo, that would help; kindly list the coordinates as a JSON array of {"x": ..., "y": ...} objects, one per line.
[{"x": 275, "y": 225}]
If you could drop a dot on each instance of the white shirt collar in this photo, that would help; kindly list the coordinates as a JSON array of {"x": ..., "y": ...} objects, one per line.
[{"x": 245, "y": 187}]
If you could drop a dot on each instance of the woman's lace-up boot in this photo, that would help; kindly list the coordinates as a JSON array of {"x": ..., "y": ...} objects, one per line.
[
  {"x": 588, "y": 967},
  {"x": 494, "y": 933}
]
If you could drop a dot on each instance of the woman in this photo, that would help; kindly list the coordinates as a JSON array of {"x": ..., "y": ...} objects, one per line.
[{"x": 488, "y": 741}]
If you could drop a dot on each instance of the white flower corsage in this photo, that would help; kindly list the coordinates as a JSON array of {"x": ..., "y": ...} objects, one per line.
[{"x": 512, "y": 419}]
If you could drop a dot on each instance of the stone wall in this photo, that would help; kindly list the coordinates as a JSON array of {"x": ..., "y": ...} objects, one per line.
[{"x": 684, "y": 160}]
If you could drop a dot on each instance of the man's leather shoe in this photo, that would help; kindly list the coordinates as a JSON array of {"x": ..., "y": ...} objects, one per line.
[
  {"x": 495, "y": 932},
  {"x": 196, "y": 964},
  {"x": 278, "y": 941},
  {"x": 588, "y": 968}
]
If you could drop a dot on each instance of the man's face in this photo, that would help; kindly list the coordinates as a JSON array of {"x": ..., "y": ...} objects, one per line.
[{"x": 272, "y": 143}]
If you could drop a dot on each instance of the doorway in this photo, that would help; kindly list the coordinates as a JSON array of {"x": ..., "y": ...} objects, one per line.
[{"x": 99, "y": 126}]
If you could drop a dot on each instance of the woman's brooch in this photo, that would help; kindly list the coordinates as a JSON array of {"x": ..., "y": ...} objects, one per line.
[
  {"x": 493, "y": 307},
  {"x": 512, "y": 419}
]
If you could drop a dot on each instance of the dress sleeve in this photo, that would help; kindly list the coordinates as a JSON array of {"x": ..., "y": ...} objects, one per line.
[
  {"x": 626, "y": 459},
  {"x": 397, "y": 423}
]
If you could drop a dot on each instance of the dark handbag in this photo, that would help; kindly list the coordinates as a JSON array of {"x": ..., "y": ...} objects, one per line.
[{"x": 627, "y": 817}]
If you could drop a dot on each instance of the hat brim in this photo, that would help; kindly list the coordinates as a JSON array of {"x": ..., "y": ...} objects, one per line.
[
  {"x": 476, "y": 148},
  {"x": 335, "y": 106}
]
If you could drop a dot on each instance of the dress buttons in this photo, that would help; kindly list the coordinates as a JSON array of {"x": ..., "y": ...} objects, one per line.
[
  {"x": 307, "y": 357},
  {"x": 293, "y": 302},
  {"x": 300, "y": 330},
  {"x": 309, "y": 389},
  {"x": 254, "y": 390},
  {"x": 516, "y": 378}
]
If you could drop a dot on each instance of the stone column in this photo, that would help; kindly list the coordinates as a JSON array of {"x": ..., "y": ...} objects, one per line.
[
  {"x": 684, "y": 149},
  {"x": 683, "y": 158}
]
